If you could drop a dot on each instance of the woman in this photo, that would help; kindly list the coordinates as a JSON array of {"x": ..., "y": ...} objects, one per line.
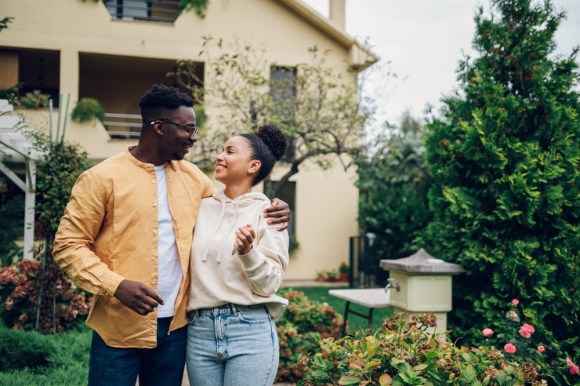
[{"x": 231, "y": 338}]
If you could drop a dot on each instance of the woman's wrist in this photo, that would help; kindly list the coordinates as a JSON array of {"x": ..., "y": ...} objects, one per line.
[{"x": 245, "y": 252}]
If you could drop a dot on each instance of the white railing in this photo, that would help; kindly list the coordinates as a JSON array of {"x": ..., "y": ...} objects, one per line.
[{"x": 123, "y": 126}]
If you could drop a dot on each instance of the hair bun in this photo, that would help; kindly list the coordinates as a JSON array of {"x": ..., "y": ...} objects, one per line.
[{"x": 274, "y": 139}]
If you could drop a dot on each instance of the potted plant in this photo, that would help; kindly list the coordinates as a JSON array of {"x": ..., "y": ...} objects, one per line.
[
  {"x": 87, "y": 109},
  {"x": 320, "y": 275},
  {"x": 343, "y": 271},
  {"x": 332, "y": 276},
  {"x": 34, "y": 100}
]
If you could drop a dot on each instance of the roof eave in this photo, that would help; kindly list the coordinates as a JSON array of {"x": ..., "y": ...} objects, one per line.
[{"x": 325, "y": 26}]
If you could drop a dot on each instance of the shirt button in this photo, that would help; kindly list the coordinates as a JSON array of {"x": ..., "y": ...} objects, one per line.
[
  {"x": 152, "y": 181},
  {"x": 155, "y": 205}
]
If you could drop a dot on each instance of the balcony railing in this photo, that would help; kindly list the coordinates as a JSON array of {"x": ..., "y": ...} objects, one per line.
[
  {"x": 123, "y": 126},
  {"x": 165, "y": 11}
]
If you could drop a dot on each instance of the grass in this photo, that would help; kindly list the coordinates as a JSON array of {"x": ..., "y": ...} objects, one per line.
[{"x": 69, "y": 362}]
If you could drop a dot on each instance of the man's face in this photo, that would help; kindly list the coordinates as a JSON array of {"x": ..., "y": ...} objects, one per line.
[{"x": 179, "y": 134}]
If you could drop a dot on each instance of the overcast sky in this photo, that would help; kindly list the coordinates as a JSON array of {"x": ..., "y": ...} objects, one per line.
[{"x": 424, "y": 41}]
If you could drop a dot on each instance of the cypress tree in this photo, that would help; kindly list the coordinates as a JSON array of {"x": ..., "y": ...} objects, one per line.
[{"x": 504, "y": 160}]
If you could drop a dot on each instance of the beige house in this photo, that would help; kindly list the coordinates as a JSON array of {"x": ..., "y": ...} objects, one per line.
[{"x": 114, "y": 50}]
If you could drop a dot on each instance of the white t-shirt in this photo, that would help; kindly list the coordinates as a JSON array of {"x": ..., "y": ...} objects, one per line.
[{"x": 169, "y": 268}]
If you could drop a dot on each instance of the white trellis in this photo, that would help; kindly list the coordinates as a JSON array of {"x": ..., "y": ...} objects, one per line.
[{"x": 16, "y": 147}]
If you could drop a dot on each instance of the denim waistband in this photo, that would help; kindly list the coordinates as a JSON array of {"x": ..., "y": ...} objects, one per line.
[{"x": 225, "y": 309}]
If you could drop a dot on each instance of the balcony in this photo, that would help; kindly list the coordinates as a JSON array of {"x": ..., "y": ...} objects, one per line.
[{"x": 165, "y": 11}]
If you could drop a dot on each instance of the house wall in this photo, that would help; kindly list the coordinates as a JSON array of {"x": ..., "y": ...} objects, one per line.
[{"x": 326, "y": 200}]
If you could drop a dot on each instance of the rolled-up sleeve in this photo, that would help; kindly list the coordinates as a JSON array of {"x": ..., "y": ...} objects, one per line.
[{"x": 73, "y": 248}]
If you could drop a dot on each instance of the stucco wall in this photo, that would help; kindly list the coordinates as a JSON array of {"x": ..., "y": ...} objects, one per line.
[{"x": 326, "y": 200}]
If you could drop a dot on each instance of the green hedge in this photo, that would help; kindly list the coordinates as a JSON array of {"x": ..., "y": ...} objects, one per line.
[{"x": 505, "y": 162}]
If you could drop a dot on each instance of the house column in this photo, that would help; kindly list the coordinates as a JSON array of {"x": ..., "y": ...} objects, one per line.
[{"x": 69, "y": 75}]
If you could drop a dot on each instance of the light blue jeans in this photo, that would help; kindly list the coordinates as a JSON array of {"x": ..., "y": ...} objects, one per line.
[{"x": 232, "y": 345}]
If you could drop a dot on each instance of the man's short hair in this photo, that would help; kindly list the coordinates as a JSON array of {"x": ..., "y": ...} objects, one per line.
[{"x": 161, "y": 101}]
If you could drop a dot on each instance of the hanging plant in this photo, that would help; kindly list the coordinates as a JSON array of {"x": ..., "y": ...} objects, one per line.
[
  {"x": 198, "y": 6},
  {"x": 87, "y": 109}
]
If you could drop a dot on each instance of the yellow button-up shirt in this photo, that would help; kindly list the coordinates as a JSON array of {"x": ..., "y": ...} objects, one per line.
[{"x": 109, "y": 233}]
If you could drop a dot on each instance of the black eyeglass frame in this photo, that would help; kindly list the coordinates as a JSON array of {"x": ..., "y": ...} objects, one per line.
[{"x": 190, "y": 130}]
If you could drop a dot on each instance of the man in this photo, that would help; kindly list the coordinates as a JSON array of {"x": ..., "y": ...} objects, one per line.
[{"x": 126, "y": 237}]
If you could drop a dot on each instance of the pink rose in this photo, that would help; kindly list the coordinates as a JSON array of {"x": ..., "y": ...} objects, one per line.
[
  {"x": 512, "y": 315},
  {"x": 525, "y": 333},
  {"x": 528, "y": 327},
  {"x": 574, "y": 369},
  {"x": 509, "y": 348},
  {"x": 9, "y": 304},
  {"x": 541, "y": 349},
  {"x": 487, "y": 332},
  {"x": 515, "y": 302}
]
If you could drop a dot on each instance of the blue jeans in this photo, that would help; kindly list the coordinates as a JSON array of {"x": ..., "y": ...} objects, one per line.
[
  {"x": 162, "y": 365},
  {"x": 232, "y": 345}
]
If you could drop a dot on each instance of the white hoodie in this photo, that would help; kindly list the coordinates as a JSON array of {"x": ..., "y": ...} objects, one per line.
[{"x": 217, "y": 276}]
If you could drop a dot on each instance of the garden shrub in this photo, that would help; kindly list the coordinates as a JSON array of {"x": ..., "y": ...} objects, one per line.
[
  {"x": 21, "y": 349},
  {"x": 303, "y": 323},
  {"x": 512, "y": 332},
  {"x": 63, "y": 163},
  {"x": 61, "y": 307},
  {"x": 405, "y": 352},
  {"x": 505, "y": 163}
]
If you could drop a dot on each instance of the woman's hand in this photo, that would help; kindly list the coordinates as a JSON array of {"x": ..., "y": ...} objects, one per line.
[{"x": 244, "y": 238}]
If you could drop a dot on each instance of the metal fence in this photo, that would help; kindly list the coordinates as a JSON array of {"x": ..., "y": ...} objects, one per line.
[{"x": 364, "y": 263}]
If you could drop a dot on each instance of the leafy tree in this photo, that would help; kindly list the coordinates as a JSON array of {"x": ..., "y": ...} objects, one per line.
[
  {"x": 504, "y": 158},
  {"x": 56, "y": 175},
  {"x": 315, "y": 107},
  {"x": 393, "y": 184}
]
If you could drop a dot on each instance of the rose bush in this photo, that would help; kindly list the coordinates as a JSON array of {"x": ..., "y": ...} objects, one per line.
[
  {"x": 405, "y": 351},
  {"x": 521, "y": 346},
  {"x": 26, "y": 295}
]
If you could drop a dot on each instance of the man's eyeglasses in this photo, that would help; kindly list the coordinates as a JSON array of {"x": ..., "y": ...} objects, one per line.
[{"x": 191, "y": 129}]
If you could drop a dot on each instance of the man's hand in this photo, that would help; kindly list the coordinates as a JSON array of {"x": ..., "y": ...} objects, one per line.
[
  {"x": 278, "y": 213},
  {"x": 138, "y": 297}
]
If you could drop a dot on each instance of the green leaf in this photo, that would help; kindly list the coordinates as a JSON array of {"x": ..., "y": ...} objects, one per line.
[{"x": 348, "y": 380}]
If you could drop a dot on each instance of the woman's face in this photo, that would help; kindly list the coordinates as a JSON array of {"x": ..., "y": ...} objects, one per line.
[{"x": 234, "y": 162}]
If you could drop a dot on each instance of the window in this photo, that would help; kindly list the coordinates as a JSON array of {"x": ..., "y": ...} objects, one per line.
[
  {"x": 283, "y": 94},
  {"x": 153, "y": 10},
  {"x": 283, "y": 83}
]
